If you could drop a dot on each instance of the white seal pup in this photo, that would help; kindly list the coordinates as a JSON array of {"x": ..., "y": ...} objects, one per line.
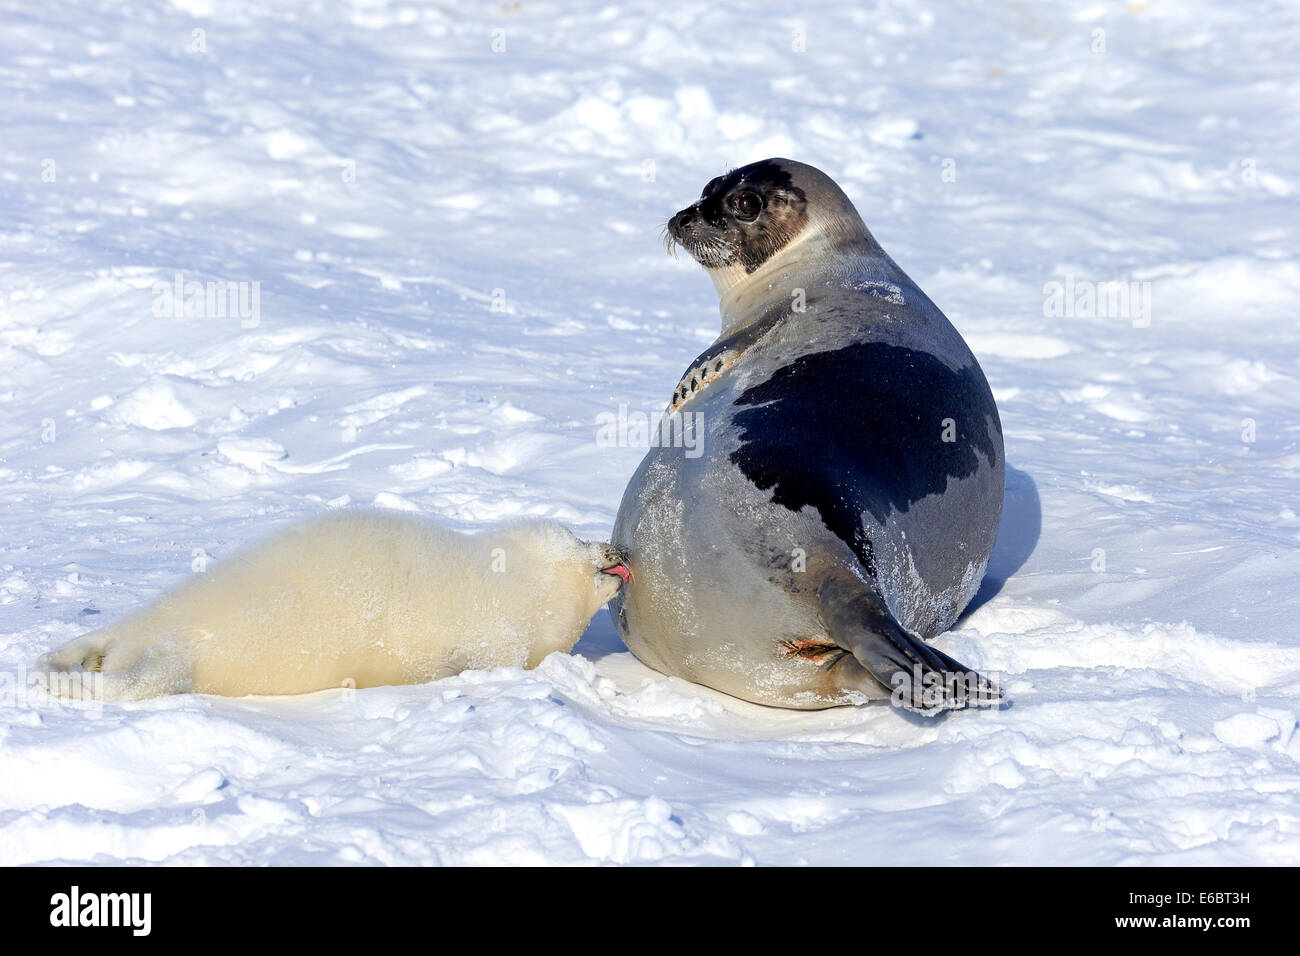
[
  {"x": 846, "y": 500},
  {"x": 355, "y": 599}
]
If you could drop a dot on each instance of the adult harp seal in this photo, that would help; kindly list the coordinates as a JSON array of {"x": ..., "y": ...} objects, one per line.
[{"x": 845, "y": 487}]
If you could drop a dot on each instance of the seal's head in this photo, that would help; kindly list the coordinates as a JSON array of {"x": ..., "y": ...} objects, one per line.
[{"x": 749, "y": 216}]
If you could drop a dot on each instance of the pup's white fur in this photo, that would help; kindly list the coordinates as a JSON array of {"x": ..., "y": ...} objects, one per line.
[{"x": 358, "y": 599}]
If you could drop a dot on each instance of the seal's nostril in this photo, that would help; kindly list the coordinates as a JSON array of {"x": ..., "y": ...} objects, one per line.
[{"x": 683, "y": 219}]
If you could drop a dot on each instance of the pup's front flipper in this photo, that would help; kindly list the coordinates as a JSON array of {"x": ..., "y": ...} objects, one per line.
[{"x": 921, "y": 678}]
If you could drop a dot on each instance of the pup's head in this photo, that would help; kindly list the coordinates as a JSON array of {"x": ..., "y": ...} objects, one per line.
[
  {"x": 746, "y": 217},
  {"x": 570, "y": 579},
  {"x": 612, "y": 571}
]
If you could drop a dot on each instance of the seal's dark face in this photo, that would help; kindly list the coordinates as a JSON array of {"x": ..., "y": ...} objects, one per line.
[{"x": 741, "y": 218}]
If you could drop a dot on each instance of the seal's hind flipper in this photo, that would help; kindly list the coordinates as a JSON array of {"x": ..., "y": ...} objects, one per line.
[{"x": 919, "y": 677}]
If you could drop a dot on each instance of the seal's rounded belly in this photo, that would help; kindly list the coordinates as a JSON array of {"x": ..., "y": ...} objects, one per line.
[{"x": 707, "y": 600}]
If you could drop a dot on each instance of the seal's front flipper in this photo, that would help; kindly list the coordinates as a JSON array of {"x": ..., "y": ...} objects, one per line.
[
  {"x": 718, "y": 357},
  {"x": 919, "y": 677}
]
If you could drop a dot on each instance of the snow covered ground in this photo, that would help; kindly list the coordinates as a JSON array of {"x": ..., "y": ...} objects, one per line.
[{"x": 451, "y": 214}]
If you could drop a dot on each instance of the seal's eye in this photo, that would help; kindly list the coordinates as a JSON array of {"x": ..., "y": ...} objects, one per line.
[
  {"x": 747, "y": 205},
  {"x": 712, "y": 185}
]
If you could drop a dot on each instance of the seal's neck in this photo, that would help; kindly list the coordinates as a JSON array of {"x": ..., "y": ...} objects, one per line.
[{"x": 823, "y": 254}]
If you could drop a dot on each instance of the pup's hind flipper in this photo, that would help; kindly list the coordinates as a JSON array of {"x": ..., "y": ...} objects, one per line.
[
  {"x": 85, "y": 653},
  {"x": 73, "y": 671},
  {"x": 100, "y": 665}
]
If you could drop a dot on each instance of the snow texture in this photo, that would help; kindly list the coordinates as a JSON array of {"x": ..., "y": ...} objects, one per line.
[{"x": 452, "y": 215}]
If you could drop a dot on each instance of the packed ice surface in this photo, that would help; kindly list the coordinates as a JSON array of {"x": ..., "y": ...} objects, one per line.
[{"x": 442, "y": 228}]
